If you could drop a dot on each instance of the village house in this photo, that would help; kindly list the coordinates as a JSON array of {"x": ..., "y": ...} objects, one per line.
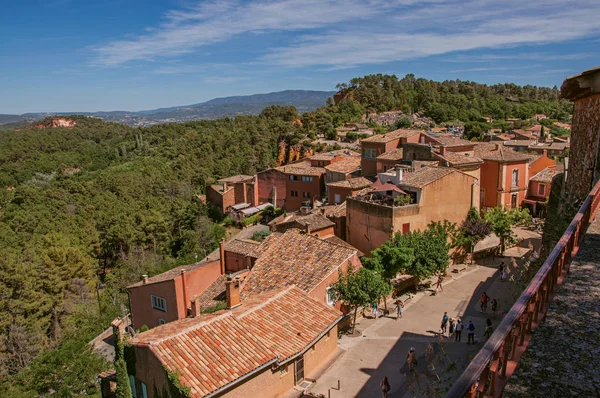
[
  {"x": 303, "y": 186},
  {"x": 230, "y": 191},
  {"x": 340, "y": 190},
  {"x": 539, "y": 189},
  {"x": 468, "y": 164},
  {"x": 269, "y": 342},
  {"x": 376, "y": 145},
  {"x": 437, "y": 194},
  {"x": 504, "y": 175},
  {"x": 165, "y": 297}
]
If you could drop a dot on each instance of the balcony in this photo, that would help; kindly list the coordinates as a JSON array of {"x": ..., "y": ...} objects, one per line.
[{"x": 554, "y": 362}]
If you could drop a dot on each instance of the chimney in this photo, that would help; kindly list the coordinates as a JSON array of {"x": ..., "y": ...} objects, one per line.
[
  {"x": 232, "y": 292},
  {"x": 144, "y": 279},
  {"x": 185, "y": 295},
  {"x": 443, "y": 149},
  {"x": 308, "y": 228},
  {"x": 195, "y": 308},
  {"x": 222, "y": 255},
  {"x": 545, "y": 152},
  {"x": 224, "y": 186},
  {"x": 398, "y": 175},
  {"x": 496, "y": 147}
]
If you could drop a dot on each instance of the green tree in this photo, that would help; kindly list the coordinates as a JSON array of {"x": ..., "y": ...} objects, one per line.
[
  {"x": 360, "y": 288},
  {"x": 502, "y": 222}
]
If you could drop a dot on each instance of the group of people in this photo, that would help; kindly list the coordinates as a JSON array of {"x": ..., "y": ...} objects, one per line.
[
  {"x": 483, "y": 304},
  {"x": 455, "y": 327}
]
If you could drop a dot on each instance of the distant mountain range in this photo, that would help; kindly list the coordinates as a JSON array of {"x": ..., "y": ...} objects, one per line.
[{"x": 303, "y": 100}]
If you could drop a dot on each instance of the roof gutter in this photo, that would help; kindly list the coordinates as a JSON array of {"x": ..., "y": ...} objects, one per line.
[
  {"x": 313, "y": 342},
  {"x": 241, "y": 379}
]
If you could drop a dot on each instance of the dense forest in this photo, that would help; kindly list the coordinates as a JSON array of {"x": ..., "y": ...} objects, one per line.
[
  {"x": 86, "y": 211},
  {"x": 454, "y": 99}
]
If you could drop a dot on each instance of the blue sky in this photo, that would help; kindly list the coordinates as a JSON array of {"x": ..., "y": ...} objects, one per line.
[{"x": 90, "y": 55}]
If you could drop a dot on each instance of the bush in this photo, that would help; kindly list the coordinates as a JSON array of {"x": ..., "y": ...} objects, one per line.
[{"x": 259, "y": 236}]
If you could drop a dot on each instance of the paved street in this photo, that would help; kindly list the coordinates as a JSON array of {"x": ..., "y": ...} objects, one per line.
[{"x": 381, "y": 349}]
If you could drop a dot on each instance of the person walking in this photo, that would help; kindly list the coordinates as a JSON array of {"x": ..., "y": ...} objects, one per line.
[
  {"x": 444, "y": 322},
  {"x": 494, "y": 307},
  {"x": 483, "y": 302},
  {"x": 488, "y": 329},
  {"x": 470, "y": 332},
  {"x": 504, "y": 276},
  {"x": 399, "y": 307},
  {"x": 411, "y": 359},
  {"x": 385, "y": 387},
  {"x": 374, "y": 310},
  {"x": 439, "y": 282},
  {"x": 451, "y": 328},
  {"x": 458, "y": 331}
]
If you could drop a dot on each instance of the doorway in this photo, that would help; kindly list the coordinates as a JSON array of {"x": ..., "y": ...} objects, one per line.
[{"x": 299, "y": 371}]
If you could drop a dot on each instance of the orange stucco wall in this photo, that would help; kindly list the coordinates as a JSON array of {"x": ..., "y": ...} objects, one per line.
[
  {"x": 508, "y": 189},
  {"x": 369, "y": 165},
  {"x": 316, "y": 188},
  {"x": 235, "y": 262},
  {"x": 141, "y": 304},
  {"x": 221, "y": 201},
  {"x": 533, "y": 190},
  {"x": 320, "y": 291},
  {"x": 489, "y": 183},
  {"x": 540, "y": 164},
  {"x": 343, "y": 192},
  {"x": 272, "y": 183}
]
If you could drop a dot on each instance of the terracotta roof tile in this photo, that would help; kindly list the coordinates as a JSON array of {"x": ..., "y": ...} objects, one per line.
[
  {"x": 346, "y": 165},
  {"x": 449, "y": 140},
  {"x": 296, "y": 258},
  {"x": 393, "y": 135},
  {"x": 546, "y": 175},
  {"x": 302, "y": 169},
  {"x": 237, "y": 178},
  {"x": 424, "y": 176},
  {"x": 241, "y": 246},
  {"x": 497, "y": 152},
  {"x": 316, "y": 221},
  {"x": 394, "y": 154},
  {"x": 334, "y": 211},
  {"x": 456, "y": 159},
  {"x": 353, "y": 183}
]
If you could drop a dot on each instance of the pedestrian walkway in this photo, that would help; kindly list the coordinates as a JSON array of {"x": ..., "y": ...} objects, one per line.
[{"x": 381, "y": 348}]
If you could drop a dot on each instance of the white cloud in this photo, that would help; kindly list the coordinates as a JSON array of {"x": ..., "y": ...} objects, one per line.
[{"x": 343, "y": 34}]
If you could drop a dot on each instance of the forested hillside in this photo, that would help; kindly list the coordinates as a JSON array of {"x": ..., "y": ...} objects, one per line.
[
  {"x": 96, "y": 206},
  {"x": 455, "y": 99},
  {"x": 86, "y": 211}
]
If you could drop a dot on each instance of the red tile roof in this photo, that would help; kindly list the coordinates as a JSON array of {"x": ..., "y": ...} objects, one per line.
[
  {"x": 456, "y": 159},
  {"x": 394, "y": 154},
  {"x": 425, "y": 176},
  {"x": 237, "y": 178},
  {"x": 211, "y": 352},
  {"x": 301, "y": 169},
  {"x": 546, "y": 175},
  {"x": 315, "y": 220},
  {"x": 353, "y": 183},
  {"x": 241, "y": 246},
  {"x": 498, "y": 153},
  {"x": 346, "y": 165},
  {"x": 393, "y": 135},
  {"x": 449, "y": 140},
  {"x": 296, "y": 258}
]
